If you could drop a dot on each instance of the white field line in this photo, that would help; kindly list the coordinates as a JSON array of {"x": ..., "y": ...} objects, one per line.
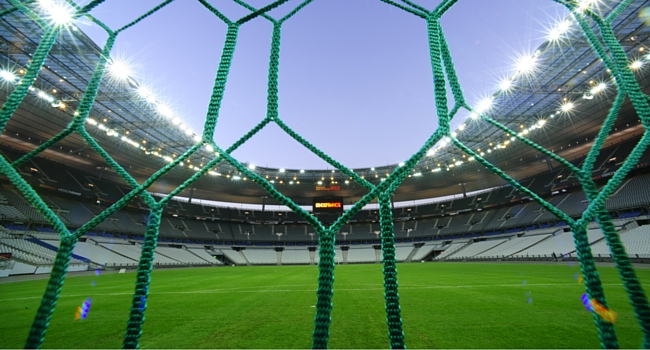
[{"x": 379, "y": 288}]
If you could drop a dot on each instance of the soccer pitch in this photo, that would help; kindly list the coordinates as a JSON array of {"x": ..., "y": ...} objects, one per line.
[{"x": 444, "y": 305}]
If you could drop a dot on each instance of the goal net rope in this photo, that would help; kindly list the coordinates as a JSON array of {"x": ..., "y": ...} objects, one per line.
[{"x": 596, "y": 28}]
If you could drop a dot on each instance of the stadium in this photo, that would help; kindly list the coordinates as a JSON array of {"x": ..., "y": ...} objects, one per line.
[{"x": 523, "y": 221}]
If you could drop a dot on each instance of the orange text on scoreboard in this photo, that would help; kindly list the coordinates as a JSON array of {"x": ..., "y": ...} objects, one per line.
[{"x": 329, "y": 205}]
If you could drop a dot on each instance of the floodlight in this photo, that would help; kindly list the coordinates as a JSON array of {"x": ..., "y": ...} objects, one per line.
[
  {"x": 525, "y": 64},
  {"x": 119, "y": 69},
  {"x": 165, "y": 111},
  {"x": 8, "y": 76},
  {"x": 557, "y": 31},
  {"x": 145, "y": 93},
  {"x": 505, "y": 84},
  {"x": 567, "y": 106},
  {"x": 484, "y": 105},
  {"x": 57, "y": 12},
  {"x": 585, "y": 4},
  {"x": 598, "y": 88}
]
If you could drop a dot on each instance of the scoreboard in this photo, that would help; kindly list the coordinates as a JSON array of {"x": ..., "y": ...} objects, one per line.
[{"x": 328, "y": 205}]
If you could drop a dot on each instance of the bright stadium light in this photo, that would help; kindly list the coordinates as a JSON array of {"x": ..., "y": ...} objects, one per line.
[
  {"x": 45, "y": 96},
  {"x": 57, "y": 12},
  {"x": 598, "y": 88},
  {"x": 251, "y": 166},
  {"x": 525, "y": 64},
  {"x": 8, "y": 76},
  {"x": 636, "y": 64},
  {"x": 165, "y": 111},
  {"x": 146, "y": 94},
  {"x": 484, "y": 105},
  {"x": 556, "y": 32},
  {"x": 505, "y": 84},
  {"x": 119, "y": 69},
  {"x": 566, "y": 107},
  {"x": 585, "y": 4}
]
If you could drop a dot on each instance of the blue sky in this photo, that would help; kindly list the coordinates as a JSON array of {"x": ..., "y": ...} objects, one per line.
[{"x": 355, "y": 75}]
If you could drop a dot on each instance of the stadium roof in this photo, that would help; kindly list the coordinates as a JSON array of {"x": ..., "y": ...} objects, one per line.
[{"x": 561, "y": 106}]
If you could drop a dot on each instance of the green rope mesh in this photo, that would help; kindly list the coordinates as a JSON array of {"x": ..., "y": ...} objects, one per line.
[{"x": 604, "y": 45}]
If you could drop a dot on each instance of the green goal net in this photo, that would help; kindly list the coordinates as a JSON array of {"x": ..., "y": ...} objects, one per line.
[{"x": 596, "y": 28}]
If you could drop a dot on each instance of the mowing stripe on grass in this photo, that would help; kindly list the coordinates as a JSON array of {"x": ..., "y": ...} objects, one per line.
[{"x": 379, "y": 287}]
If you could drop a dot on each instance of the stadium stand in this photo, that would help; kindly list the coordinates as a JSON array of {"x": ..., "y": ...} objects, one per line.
[
  {"x": 402, "y": 252},
  {"x": 99, "y": 255},
  {"x": 425, "y": 250},
  {"x": 484, "y": 218},
  {"x": 513, "y": 246},
  {"x": 184, "y": 256},
  {"x": 295, "y": 256},
  {"x": 636, "y": 242},
  {"x": 21, "y": 205},
  {"x": 235, "y": 257},
  {"x": 451, "y": 249},
  {"x": 23, "y": 256},
  {"x": 11, "y": 213},
  {"x": 478, "y": 248},
  {"x": 560, "y": 243},
  {"x": 205, "y": 255},
  {"x": 261, "y": 256}
]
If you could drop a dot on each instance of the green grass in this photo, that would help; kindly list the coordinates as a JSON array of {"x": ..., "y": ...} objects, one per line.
[{"x": 444, "y": 305}]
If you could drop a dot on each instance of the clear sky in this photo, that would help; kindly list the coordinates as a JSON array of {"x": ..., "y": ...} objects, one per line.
[{"x": 355, "y": 75}]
